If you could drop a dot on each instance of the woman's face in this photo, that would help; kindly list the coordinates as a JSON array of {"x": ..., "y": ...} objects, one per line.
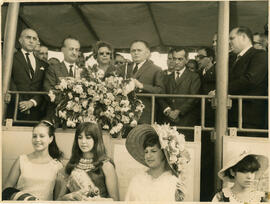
[
  {"x": 104, "y": 55},
  {"x": 153, "y": 156},
  {"x": 245, "y": 180},
  {"x": 86, "y": 142},
  {"x": 41, "y": 138}
]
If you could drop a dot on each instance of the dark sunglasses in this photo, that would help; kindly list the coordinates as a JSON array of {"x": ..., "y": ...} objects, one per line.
[
  {"x": 200, "y": 56},
  {"x": 104, "y": 53},
  {"x": 119, "y": 62}
]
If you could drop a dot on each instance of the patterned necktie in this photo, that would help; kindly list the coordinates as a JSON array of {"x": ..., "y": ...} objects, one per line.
[
  {"x": 70, "y": 73},
  {"x": 31, "y": 70},
  {"x": 135, "y": 69}
]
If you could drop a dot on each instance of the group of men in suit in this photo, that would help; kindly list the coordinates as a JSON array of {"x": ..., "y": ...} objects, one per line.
[{"x": 248, "y": 76}]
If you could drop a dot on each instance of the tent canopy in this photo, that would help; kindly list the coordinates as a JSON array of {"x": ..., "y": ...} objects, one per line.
[{"x": 162, "y": 24}]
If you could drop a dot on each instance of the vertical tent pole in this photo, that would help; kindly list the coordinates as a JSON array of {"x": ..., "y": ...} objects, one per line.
[
  {"x": 9, "y": 45},
  {"x": 222, "y": 84}
]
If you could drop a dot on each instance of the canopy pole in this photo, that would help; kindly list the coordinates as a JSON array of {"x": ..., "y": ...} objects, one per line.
[
  {"x": 8, "y": 51},
  {"x": 221, "y": 85}
]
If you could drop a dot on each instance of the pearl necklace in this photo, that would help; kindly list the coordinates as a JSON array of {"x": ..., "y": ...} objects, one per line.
[
  {"x": 251, "y": 198},
  {"x": 85, "y": 164}
]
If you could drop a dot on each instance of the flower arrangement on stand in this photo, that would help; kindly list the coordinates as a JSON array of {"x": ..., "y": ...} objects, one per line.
[{"x": 111, "y": 101}]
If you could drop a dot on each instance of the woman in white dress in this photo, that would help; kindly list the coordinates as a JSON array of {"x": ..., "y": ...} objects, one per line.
[
  {"x": 161, "y": 148},
  {"x": 32, "y": 176},
  {"x": 244, "y": 170}
]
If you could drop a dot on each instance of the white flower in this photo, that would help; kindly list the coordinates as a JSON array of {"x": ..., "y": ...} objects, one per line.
[
  {"x": 106, "y": 127},
  {"x": 62, "y": 114},
  {"x": 133, "y": 123},
  {"x": 173, "y": 158},
  {"x": 125, "y": 119},
  {"x": 63, "y": 84},
  {"x": 51, "y": 95},
  {"x": 77, "y": 99},
  {"x": 70, "y": 96},
  {"x": 131, "y": 115},
  {"x": 84, "y": 103},
  {"x": 70, "y": 105},
  {"x": 77, "y": 108},
  {"x": 71, "y": 123},
  {"x": 78, "y": 89},
  {"x": 107, "y": 101},
  {"x": 100, "y": 73}
]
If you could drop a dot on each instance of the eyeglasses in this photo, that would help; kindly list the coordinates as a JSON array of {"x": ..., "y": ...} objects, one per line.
[
  {"x": 179, "y": 58},
  {"x": 119, "y": 62},
  {"x": 104, "y": 53},
  {"x": 200, "y": 57}
]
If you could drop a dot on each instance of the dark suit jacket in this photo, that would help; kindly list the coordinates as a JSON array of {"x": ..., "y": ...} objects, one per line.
[
  {"x": 20, "y": 77},
  {"x": 152, "y": 78},
  {"x": 189, "y": 83},
  {"x": 20, "y": 81},
  {"x": 52, "y": 75},
  {"x": 248, "y": 76}
]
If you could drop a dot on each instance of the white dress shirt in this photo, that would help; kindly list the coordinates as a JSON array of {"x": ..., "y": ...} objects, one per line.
[{"x": 31, "y": 58}]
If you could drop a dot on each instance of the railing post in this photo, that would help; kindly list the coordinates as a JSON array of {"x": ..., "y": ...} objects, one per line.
[
  {"x": 222, "y": 85},
  {"x": 9, "y": 45}
]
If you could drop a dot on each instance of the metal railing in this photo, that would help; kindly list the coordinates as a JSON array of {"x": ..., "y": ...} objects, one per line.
[{"x": 203, "y": 99}]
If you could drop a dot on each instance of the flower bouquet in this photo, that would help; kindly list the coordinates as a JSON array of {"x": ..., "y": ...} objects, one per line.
[{"x": 111, "y": 101}]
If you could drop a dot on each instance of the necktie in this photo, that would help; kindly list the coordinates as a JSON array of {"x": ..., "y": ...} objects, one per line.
[
  {"x": 70, "y": 73},
  {"x": 177, "y": 75},
  {"x": 135, "y": 69},
  {"x": 31, "y": 70}
]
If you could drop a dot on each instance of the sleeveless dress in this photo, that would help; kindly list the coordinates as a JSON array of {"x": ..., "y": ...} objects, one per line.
[
  {"x": 38, "y": 179},
  {"x": 97, "y": 177},
  {"x": 226, "y": 195}
]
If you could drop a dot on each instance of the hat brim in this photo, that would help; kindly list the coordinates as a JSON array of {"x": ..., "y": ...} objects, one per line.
[
  {"x": 135, "y": 140},
  {"x": 263, "y": 161}
]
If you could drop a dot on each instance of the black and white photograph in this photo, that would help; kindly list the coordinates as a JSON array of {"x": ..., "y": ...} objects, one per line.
[{"x": 146, "y": 101}]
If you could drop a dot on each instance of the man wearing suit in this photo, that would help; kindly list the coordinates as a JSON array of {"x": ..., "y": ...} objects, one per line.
[
  {"x": 147, "y": 77},
  {"x": 67, "y": 68},
  {"x": 248, "y": 76},
  {"x": 27, "y": 75},
  {"x": 181, "y": 111}
]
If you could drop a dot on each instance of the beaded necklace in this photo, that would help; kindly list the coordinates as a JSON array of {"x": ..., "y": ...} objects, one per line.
[{"x": 85, "y": 164}]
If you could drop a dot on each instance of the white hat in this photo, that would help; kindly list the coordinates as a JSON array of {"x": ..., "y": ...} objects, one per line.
[{"x": 236, "y": 156}]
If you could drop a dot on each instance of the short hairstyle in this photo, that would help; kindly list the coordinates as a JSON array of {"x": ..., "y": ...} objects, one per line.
[
  {"x": 245, "y": 30},
  {"x": 100, "y": 44},
  {"x": 28, "y": 29},
  {"x": 69, "y": 38},
  {"x": 209, "y": 52},
  {"x": 180, "y": 49},
  {"x": 141, "y": 41},
  {"x": 151, "y": 140},
  {"x": 247, "y": 164}
]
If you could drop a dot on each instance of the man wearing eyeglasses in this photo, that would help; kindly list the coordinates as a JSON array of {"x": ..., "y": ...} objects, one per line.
[
  {"x": 181, "y": 111},
  {"x": 27, "y": 75}
]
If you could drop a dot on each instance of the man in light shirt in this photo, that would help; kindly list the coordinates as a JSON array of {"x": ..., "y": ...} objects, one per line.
[
  {"x": 27, "y": 75},
  {"x": 181, "y": 111}
]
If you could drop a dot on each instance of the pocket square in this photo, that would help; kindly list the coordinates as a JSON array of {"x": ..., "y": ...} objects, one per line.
[{"x": 42, "y": 68}]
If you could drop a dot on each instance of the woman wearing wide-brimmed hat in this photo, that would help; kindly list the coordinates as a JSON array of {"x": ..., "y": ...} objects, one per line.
[
  {"x": 162, "y": 149},
  {"x": 244, "y": 170}
]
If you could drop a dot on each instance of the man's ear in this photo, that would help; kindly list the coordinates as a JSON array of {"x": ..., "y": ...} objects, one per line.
[{"x": 20, "y": 40}]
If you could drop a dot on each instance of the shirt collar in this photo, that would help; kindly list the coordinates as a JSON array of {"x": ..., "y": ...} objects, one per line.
[
  {"x": 68, "y": 64},
  {"x": 244, "y": 51},
  {"x": 24, "y": 52},
  {"x": 140, "y": 64},
  {"x": 181, "y": 71}
]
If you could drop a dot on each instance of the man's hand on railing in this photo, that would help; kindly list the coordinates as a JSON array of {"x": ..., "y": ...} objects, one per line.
[
  {"x": 25, "y": 105},
  {"x": 174, "y": 115},
  {"x": 211, "y": 93}
]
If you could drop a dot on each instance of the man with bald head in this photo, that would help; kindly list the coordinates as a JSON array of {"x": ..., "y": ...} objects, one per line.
[{"x": 27, "y": 75}]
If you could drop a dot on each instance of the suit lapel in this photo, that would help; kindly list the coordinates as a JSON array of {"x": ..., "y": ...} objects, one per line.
[
  {"x": 182, "y": 77},
  {"x": 242, "y": 58},
  {"x": 63, "y": 69},
  {"x": 142, "y": 69},
  {"x": 23, "y": 63}
]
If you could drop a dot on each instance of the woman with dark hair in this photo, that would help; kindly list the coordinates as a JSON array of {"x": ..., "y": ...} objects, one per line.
[
  {"x": 33, "y": 176},
  {"x": 244, "y": 170},
  {"x": 103, "y": 53},
  {"x": 162, "y": 149},
  {"x": 89, "y": 174}
]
